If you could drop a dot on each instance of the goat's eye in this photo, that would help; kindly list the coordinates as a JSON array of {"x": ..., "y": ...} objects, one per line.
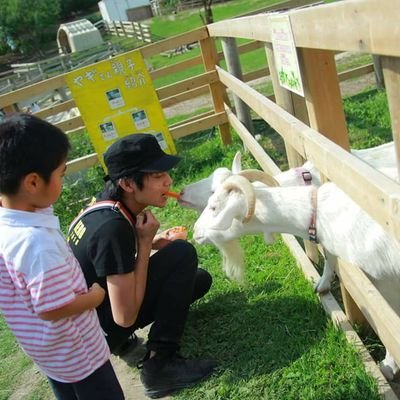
[{"x": 212, "y": 208}]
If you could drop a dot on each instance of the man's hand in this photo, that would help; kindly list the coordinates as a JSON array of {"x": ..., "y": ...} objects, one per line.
[
  {"x": 146, "y": 226},
  {"x": 169, "y": 235}
]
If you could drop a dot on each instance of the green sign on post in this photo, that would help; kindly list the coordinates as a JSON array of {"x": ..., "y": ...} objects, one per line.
[{"x": 286, "y": 61}]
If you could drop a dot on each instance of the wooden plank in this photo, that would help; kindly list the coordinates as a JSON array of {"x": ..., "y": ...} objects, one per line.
[
  {"x": 187, "y": 84},
  {"x": 367, "y": 26},
  {"x": 266, "y": 162},
  {"x": 171, "y": 69},
  {"x": 352, "y": 175},
  {"x": 188, "y": 95},
  {"x": 173, "y": 42},
  {"x": 191, "y": 119},
  {"x": 382, "y": 318},
  {"x": 253, "y": 75},
  {"x": 356, "y": 72},
  {"x": 82, "y": 163},
  {"x": 70, "y": 124},
  {"x": 32, "y": 90},
  {"x": 218, "y": 92},
  {"x": 320, "y": 83},
  {"x": 391, "y": 73},
  {"x": 65, "y": 106},
  {"x": 198, "y": 125}
]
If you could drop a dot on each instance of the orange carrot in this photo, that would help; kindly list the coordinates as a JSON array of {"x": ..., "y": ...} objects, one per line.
[{"x": 173, "y": 194}]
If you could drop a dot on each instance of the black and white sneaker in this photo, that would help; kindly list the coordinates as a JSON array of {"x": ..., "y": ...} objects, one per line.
[{"x": 164, "y": 374}]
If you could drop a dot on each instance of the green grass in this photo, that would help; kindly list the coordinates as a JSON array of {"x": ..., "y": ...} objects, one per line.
[
  {"x": 171, "y": 25},
  {"x": 13, "y": 362},
  {"x": 368, "y": 119}
]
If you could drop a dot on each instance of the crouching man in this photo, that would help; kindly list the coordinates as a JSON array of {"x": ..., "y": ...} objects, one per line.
[{"x": 113, "y": 241}]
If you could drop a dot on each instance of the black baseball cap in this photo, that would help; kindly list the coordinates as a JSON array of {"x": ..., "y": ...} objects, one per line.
[{"x": 139, "y": 152}]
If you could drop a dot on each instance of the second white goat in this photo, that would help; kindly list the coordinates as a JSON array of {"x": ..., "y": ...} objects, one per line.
[
  {"x": 195, "y": 195},
  {"x": 342, "y": 228}
]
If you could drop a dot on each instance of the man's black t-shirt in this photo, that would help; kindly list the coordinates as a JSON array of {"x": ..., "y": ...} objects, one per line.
[{"x": 103, "y": 241}]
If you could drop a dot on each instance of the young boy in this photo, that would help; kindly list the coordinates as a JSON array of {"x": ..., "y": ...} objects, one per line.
[{"x": 43, "y": 295}]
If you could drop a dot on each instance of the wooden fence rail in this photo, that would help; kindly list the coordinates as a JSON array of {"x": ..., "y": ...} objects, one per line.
[{"x": 130, "y": 29}]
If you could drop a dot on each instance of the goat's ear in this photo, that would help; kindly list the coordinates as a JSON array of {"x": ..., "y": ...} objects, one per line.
[
  {"x": 237, "y": 163},
  {"x": 234, "y": 209}
]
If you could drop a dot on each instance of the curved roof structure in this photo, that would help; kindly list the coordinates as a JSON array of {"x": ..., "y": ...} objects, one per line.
[{"x": 77, "y": 35}]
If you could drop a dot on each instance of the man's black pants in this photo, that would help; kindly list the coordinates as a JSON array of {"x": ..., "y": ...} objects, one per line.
[{"x": 174, "y": 282}]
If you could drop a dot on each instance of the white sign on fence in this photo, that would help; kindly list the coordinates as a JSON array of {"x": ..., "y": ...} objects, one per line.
[{"x": 287, "y": 64}]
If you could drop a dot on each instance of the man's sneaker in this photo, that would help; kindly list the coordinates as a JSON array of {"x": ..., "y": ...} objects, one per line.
[
  {"x": 126, "y": 346},
  {"x": 162, "y": 375}
]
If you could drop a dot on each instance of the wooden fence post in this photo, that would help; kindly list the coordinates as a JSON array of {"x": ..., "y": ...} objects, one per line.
[
  {"x": 391, "y": 73},
  {"x": 123, "y": 28},
  {"x": 231, "y": 55},
  {"x": 379, "y": 78},
  {"x": 218, "y": 91},
  {"x": 325, "y": 110},
  {"x": 115, "y": 28},
  {"x": 291, "y": 103}
]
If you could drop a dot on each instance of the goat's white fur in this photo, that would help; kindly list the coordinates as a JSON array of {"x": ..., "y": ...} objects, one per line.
[
  {"x": 343, "y": 229},
  {"x": 196, "y": 194}
]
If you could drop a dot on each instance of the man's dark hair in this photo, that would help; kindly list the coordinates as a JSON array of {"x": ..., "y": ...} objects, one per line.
[
  {"x": 112, "y": 190},
  {"x": 29, "y": 144}
]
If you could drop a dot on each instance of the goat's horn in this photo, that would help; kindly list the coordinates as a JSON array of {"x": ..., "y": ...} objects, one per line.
[
  {"x": 261, "y": 176},
  {"x": 241, "y": 183}
]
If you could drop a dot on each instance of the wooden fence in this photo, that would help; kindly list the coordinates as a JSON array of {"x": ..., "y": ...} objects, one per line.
[
  {"x": 312, "y": 127},
  {"x": 130, "y": 29}
]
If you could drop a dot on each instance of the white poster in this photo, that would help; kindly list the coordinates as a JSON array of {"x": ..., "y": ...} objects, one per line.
[{"x": 287, "y": 64}]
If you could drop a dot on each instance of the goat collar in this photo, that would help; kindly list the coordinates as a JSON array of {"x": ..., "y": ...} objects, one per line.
[
  {"x": 304, "y": 175},
  {"x": 312, "y": 228}
]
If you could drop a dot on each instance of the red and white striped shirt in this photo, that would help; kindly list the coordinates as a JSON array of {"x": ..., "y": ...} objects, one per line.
[{"x": 39, "y": 273}]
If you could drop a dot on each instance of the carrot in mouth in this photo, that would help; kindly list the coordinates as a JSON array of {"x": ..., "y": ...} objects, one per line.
[{"x": 173, "y": 194}]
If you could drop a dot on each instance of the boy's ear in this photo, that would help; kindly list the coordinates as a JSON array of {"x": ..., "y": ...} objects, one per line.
[
  {"x": 128, "y": 185},
  {"x": 31, "y": 182}
]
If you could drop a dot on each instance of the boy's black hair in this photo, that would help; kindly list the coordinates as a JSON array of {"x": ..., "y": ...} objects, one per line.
[
  {"x": 29, "y": 144},
  {"x": 113, "y": 191}
]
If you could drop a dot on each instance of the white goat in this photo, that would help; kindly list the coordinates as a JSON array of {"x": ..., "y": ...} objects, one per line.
[
  {"x": 342, "y": 228},
  {"x": 196, "y": 194}
]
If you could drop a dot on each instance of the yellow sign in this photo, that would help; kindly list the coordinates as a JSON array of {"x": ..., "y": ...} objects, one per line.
[{"x": 116, "y": 97}]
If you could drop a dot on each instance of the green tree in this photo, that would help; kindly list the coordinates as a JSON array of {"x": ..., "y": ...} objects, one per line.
[
  {"x": 70, "y": 6},
  {"x": 26, "y": 24},
  {"x": 208, "y": 14}
]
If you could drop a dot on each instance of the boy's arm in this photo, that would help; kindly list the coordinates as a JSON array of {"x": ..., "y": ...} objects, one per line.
[{"x": 81, "y": 303}]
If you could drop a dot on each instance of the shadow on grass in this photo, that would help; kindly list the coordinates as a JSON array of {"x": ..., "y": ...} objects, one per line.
[
  {"x": 247, "y": 333},
  {"x": 251, "y": 334}
]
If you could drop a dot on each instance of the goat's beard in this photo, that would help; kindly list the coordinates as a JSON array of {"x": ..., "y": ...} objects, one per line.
[{"x": 232, "y": 259}]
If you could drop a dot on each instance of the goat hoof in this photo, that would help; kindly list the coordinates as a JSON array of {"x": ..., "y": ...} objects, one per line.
[
  {"x": 321, "y": 288},
  {"x": 387, "y": 371}
]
